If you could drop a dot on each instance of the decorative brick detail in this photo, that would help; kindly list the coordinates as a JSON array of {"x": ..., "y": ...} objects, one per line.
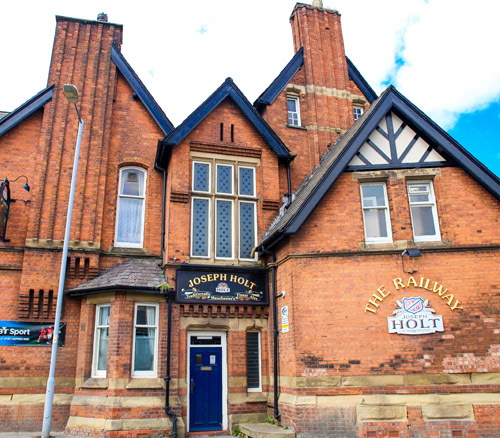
[
  {"x": 38, "y": 304},
  {"x": 227, "y": 149},
  {"x": 207, "y": 310},
  {"x": 270, "y": 205},
  {"x": 179, "y": 197}
]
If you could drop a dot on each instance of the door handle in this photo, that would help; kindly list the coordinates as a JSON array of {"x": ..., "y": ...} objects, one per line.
[{"x": 192, "y": 386}]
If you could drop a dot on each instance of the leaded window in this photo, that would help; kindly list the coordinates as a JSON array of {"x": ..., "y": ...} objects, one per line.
[{"x": 223, "y": 211}]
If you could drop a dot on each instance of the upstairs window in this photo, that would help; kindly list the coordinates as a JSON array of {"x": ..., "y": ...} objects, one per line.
[
  {"x": 423, "y": 211},
  {"x": 376, "y": 213},
  {"x": 358, "y": 112},
  {"x": 131, "y": 208},
  {"x": 293, "y": 106},
  {"x": 223, "y": 211}
]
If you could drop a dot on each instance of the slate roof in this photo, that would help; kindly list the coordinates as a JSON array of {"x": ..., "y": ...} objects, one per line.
[
  {"x": 140, "y": 275},
  {"x": 335, "y": 161},
  {"x": 38, "y": 101},
  {"x": 276, "y": 87},
  {"x": 228, "y": 89},
  {"x": 141, "y": 91}
]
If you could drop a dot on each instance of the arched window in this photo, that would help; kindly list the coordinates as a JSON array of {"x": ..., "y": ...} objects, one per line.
[{"x": 131, "y": 208}]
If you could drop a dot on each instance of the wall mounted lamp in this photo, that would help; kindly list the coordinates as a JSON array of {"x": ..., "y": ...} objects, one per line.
[{"x": 411, "y": 253}]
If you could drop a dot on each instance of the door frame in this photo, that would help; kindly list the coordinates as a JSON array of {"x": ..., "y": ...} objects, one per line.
[{"x": 223, "y": 346}]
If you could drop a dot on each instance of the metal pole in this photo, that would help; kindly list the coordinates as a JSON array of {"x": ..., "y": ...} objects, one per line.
[{"x": 49, "y": 395}]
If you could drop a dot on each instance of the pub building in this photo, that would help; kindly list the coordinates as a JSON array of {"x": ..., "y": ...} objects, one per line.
[{"x": 325, "y": 258}]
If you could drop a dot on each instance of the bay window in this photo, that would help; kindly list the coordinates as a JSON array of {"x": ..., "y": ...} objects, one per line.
[
  {"x": 101, "y": 335},
  {"x": 145, "y": 347}
]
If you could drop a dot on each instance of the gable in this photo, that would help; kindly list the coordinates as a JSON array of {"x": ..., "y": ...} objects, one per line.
[
  {"x": 394, "y": 144},
  {"x": 430, "y": 146}
]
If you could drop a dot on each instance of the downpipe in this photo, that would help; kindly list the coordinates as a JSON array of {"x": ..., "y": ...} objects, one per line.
[
  {"x": 169, "y": 295},
  {"x": 277, "y": 414}
]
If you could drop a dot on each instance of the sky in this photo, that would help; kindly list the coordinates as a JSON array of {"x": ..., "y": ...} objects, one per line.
[{"x": 441, "y": 54}]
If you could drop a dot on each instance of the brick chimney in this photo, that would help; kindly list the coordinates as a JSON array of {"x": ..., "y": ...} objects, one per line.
[
  {"x": 319, "y": 32},
  {"x": 81, "y": 56}
]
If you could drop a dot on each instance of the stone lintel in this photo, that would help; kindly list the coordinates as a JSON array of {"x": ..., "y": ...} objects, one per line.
[
  {"x": 447, "y": 412},
  {"x": 381, "y": 413}
]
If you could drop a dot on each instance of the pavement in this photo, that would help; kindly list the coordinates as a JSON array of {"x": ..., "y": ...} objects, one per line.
[{"x": 62, "y": 435}]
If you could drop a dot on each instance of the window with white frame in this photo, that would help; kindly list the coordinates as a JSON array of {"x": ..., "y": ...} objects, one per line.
[
  {"x": 223, "y": 211},
  {"x": 423, "y": 211},
  {"x": 101, "y": 335},
  {"x": 131, "y": 208},
  {"x": 254, "y": 371},
  {"x": 293, "y": 107},
  {"x": 376, "y": 213},
  {"x": 358, "y": 112},
  {"x": 145, "y": 347}
]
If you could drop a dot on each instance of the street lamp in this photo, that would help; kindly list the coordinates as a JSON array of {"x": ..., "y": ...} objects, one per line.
[{"x": 71, "y": 93}]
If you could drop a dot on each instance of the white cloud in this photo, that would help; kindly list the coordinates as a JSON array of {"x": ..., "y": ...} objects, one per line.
[{"x": 440, "y": 53}]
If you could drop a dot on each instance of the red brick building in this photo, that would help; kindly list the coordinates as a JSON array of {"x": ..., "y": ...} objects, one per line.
[{"x": 324, "y": 256}]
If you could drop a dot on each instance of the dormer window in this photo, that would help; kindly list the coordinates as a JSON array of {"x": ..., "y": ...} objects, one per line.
[{"x": 293, "y": 106}]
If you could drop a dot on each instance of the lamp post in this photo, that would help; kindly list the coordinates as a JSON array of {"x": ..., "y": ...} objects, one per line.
[{"x": 71, "y": 93}]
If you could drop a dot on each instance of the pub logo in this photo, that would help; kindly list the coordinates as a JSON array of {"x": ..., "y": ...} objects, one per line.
[
  {"x": 222, "y": 288},
  {"x": 414, "y": 316}
]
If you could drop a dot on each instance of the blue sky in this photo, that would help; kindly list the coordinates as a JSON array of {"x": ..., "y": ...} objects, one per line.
[{"x": 438, "y": 53}]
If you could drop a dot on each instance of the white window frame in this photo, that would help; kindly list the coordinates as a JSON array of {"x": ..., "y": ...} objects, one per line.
[
  {"x": 254, "y": 182},
  {"x": 361, "y": 111},
  {"x": 154, "y": 372},
  {"x": 387, "y": 239},
  {"x": 210, "y": 226},
  {"x": 232, "y": 228},
  {"x": 95, "y": 360},
  {"x": 117, "y": 243},
  {"x": 297, "y": 106},
  {"x": 209, "y": 177},
  {"x": 255, "y": 228},
  {"x": 217, "y": 165},
  {"x": 431, "y": 203},
  {"x": 259, "y": 388}
]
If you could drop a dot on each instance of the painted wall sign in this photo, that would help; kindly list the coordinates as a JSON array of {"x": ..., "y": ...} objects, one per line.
[
  {"x": 423, "y": 283},
  {"x": 285, "y": 327},
  {"x": 30, "y": 333},
  {"x": 221, "y": 286},
  {"x": 414, "y": 317}
]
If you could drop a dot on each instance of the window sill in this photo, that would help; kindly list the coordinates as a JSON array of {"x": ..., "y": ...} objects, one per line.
[
  {"x": 403, "y": 244},
  {"x": 296, "y": 127},
  {"x": 95, "y": 383},
  {"x": 256, "y": 397},
  {"x": 145, "y": 383},
  {"x": 125, "y": 250}
]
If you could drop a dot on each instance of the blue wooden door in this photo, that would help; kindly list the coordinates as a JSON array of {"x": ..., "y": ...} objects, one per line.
[{"x": 205, "y": 388}]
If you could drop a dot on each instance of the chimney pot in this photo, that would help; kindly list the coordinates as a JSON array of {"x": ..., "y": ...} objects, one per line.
[{"x": 102, "y": 17}]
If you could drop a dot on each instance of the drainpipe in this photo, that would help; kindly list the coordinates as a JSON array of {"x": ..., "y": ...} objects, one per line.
[
  {"x": 169, "y": 295},
  {"x": 277, "y": 414},
  {"x": 289, "y": 178},
  {"x": 163, "y": 213}
]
